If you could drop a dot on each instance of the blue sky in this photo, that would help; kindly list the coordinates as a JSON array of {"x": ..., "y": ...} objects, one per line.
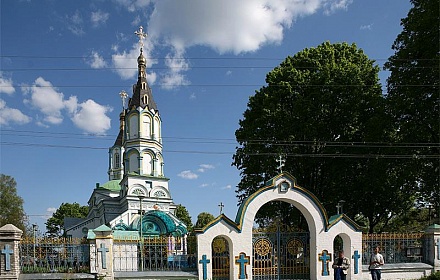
[{"x": 63, "y": 64}]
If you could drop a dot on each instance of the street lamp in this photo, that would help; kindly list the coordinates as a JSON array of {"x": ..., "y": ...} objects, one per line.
[
  {"x": 34, "y": 230},
  {"x": 141, "y": 196}
]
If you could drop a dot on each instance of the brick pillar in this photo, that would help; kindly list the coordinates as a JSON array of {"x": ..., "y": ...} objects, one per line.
[
  {"x": 432, "y": 246},
  {"x": 101, "y": 252},
  {"x": 10, "y": 237}
]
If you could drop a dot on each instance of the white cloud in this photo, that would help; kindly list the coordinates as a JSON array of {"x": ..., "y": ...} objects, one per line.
[
  {"x": 96, "y": 61},
  {"x": 228, "y": 25},
  {"x": 225, "y": 26},
  {"x": 187, "y": 174},
  {"x": 6, "y": 85},
  {"x": 10, "y": 115},
  {"x": 192, "y": 96},
  {"x": 176, "y": 64},
  {"x": 228, "y": 73},
  {"x": 136, "y": 21},
  {"x": 227, "y": 187},
  {"x": 51, "y": 209},
  {"x": 204, "y": 167},
  {"x": 366, "y": 27},
  {"x": 91, "y": 117},
  {"x": 133, "y": 5},
  {"x": 88, "y": 116},
  {"x": 204, "y": 185},
  {"x": 99, "y": 18},
  {"x": 331, "y": 6},
  {"x": 125, "y": 62},
  {"x": 46, "y": 98},
  {"x": 75, "y": 23}
]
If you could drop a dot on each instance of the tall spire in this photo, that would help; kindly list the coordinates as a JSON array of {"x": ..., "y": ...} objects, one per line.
[
  {"x": 142, "y": 62},
  {"x": 142, "y": 96}
]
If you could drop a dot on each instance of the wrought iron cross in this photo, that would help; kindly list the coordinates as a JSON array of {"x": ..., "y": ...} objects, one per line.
[
  {"x": 281, "y": 162},
  {"x": 140, "y": 33},
  {"x": 221, "y": 205},
  {"x": 123, "y": 96}
]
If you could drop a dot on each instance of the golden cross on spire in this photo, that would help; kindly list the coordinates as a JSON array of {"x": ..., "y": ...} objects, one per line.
[{"x": 140, "y": 33}]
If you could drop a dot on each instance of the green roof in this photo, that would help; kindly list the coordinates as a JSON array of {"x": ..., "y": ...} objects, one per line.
[{"x": 112, "y": 185}]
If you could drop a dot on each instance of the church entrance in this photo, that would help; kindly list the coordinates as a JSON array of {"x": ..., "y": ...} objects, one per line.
[
  {"x": 280, "y": 254},
  {"x": 220, "y": 259}
]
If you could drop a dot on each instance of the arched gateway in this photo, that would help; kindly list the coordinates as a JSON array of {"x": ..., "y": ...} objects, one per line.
[{"x": 238, "y": 234}]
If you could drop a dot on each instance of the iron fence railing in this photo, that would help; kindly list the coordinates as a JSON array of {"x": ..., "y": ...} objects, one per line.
[
  {"x": 153, "y": 254},
  {"x": 42, "y": 255},
  {"x": 395, "y": 247}
]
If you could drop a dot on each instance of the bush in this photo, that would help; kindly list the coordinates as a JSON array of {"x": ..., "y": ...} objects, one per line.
[{"x": 434, "y": 276}]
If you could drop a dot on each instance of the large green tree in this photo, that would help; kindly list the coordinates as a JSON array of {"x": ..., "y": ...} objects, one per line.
[
  {"x": 55, "y": 224},
  {"x": 323, "y": 109},
  {"x": 203, "y": 219},
  {"x": 413, "y": 96},
  {"x": 183, "y": 215},
  {"x": 11, "y": 204}
]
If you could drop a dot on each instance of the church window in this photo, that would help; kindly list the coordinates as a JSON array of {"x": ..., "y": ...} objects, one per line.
[
  {"x": 138, "y": 192},
  {"x": 117, "y": 162},
  {"x": 145, "y": 99},
  {"x": 160, "y": 194}
]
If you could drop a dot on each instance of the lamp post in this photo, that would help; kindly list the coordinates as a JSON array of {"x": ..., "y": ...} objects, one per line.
[
  {"x": 140, "y": 230},
  {"x": 34, "y": 231}
]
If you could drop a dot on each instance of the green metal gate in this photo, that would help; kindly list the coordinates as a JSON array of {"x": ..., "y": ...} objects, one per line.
[{"x": 280, "y": 254}]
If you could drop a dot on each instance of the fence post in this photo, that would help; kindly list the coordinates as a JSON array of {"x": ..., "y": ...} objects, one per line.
[
  {"x": 10, "y": 237},
  {"x": 432, "y": 246},
  {"x": 101, "y": 252}
]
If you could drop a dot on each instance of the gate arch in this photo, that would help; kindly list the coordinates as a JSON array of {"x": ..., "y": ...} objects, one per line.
[{"x": 282, "y": 187}]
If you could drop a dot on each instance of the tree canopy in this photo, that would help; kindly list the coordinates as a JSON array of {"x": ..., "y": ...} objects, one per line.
[
  {"x": 324, "y": 111},
  {"x": 55, "y": 224},
  {"x": 11, "y": 204},
  {"x": 413, "y": 96},
  {"x": 183, "y": 215},
  {"x": 203, "y": 219}
]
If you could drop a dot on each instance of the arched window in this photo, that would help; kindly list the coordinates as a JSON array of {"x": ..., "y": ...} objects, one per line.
[{"x": 117, "y": 161}]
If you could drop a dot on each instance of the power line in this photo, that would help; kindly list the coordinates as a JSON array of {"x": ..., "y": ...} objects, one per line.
[
  {"x": 210, "y": 140},
  {"x": 234, "y": 85},
  {"x": 309, "y": 155},
  {"x": 194, "y": 57}
]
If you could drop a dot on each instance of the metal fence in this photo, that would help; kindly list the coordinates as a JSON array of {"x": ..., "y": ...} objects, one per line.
[
  {"x": 153, "y": 254},
  {"x": 395, "y": 247},
  {"x": 43, "y": 255}
]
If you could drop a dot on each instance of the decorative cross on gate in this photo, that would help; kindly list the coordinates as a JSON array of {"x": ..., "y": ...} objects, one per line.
[
  {"x": 221, "y": 205},
  {"x": 242, "y": 260},
  {"x": 204, "y": 261},
  {"x": 7, "y": 252},
  {"x": 141, "y": 36},
  {"x": 356, "y": 258},
  {"x": 325, "y": 258},
  {"x": 281, "y": 162},
  {"x": 103, "y": 252}
]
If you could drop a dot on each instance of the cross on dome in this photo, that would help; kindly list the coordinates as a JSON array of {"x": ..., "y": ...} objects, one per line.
[{"x": 140, "y": 33}]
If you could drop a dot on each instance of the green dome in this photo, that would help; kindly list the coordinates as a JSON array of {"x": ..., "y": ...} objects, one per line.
[{"x": 112, "y": 185}]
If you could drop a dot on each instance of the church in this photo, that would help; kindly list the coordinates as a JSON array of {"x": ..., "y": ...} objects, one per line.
[{"x": 136, "y": 198}]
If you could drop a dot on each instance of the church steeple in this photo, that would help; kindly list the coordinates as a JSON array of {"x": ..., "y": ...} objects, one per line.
[{"x": 142, "y": 96}]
